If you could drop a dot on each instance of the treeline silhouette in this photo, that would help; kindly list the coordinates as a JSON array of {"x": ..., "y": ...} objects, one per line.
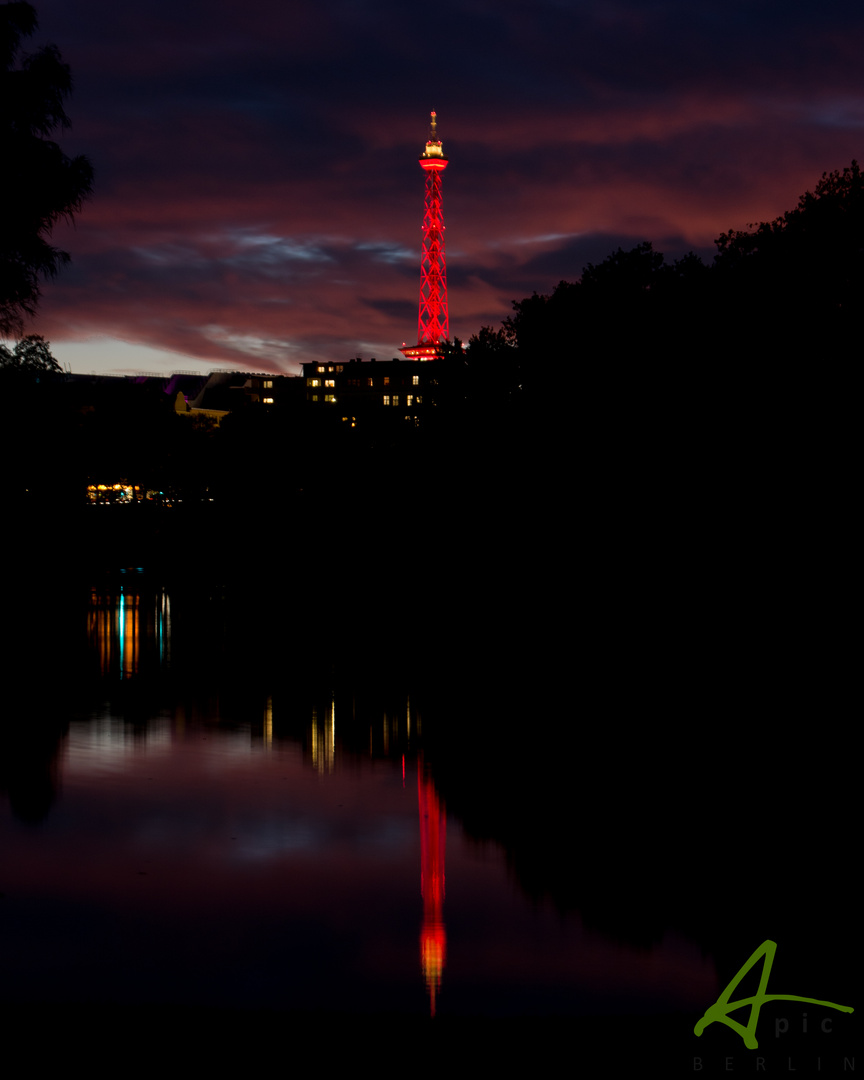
[{"x": 791, "y": 288}]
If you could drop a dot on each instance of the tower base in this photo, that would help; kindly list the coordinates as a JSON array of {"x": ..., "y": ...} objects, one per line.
[{"x": 422, "y": 351}]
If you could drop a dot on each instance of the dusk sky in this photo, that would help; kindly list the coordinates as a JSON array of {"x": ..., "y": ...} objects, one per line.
[{"x": 258, "y": 199}]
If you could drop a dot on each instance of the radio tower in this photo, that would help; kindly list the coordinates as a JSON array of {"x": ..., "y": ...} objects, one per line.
[{"x": 433, "y": 324}]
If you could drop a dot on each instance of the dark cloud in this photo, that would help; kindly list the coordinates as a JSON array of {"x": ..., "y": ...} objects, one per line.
[{"x": 258, "y": 199}]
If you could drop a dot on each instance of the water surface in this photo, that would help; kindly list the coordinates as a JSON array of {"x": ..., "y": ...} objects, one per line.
[{"x": 216, "y": 839}]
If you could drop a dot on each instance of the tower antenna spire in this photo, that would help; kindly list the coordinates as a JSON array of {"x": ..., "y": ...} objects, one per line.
[{"x": 433, "y": 321}]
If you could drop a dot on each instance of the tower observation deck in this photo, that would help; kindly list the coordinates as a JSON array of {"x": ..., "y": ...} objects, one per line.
[{"x": 433, "y": 323}]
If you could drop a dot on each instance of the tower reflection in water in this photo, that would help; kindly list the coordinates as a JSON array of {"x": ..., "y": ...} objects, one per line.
[
  {"x": 433, "y": 834},
  {"x": 130, "y": 632}
]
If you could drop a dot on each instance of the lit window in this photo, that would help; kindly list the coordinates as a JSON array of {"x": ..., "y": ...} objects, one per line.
[
  {"x": 313, "y": 382},
  {"x": 409, "y": 398},
  {"x": 268, "y": 400},
  {"x": 386, "y": 380},
  {"x": 330, "y": 367},
  {"x": 320, "y": 367},
  {"x": 268, "y": 384},
  {"x": 370, "y": 382},
  {"x": 330, "y": 397},
  {"x": 386, "y": 399},
  {"x": 395, "y": 399},
  {"x": 330, "y": 382},
  {"x": 338, "y": 368},
  {"x": 419, "y": 400},
  {"x": 314, "y": 397},
  {"x": 415, "y": 380}
]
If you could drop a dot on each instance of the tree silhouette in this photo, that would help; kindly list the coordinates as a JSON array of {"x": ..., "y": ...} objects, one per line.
[
  {"x": 493, "y": 369},
  {"x": 628, "y": 308},
  {"x": 797, "y": 282},
  {"x": 787, "y": 289},
  {"x": 30, "y": 357},
  {"x": 39, "y": 184}
]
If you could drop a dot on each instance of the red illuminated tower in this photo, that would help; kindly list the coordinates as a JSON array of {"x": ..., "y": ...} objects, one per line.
[{"x": 433, "y": 324}]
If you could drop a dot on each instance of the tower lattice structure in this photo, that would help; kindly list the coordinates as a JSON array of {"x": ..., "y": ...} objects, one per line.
[{"x": 433, "y": 323}]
